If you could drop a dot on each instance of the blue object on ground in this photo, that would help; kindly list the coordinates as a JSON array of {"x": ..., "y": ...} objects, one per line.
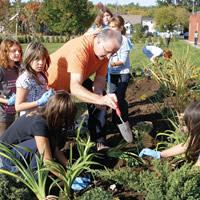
[{"x": 80, "y": 183}]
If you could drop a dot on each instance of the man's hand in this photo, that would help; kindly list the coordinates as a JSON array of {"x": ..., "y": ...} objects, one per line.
[{"x": 109, "y": 100}]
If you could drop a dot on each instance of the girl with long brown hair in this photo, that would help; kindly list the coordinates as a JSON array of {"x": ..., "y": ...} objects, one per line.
[
  {"x": 40, "y": 129},
  {"x": 31, "y": 84},
  {"x": 10, "y": 61},
  {"x": 192, "y": 146}
]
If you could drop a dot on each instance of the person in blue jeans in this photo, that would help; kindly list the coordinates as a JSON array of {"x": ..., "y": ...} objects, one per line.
[
  {"x": 191, "y": 147},
  {"x": 38, "y": 129},
  {"x": 153, "y": 53},
  {"x": 119, "y": 72}
]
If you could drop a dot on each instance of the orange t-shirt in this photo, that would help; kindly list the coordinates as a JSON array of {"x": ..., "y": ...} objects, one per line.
[{"x": 76, "y": 56}]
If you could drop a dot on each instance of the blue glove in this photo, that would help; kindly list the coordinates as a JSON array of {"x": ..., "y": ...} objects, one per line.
[
  {"x": 45, "y": 97},
  {"x": 11, "y": 100},
  {"x": 149, "y": 152},
  {"x": 80, "y": 183}
]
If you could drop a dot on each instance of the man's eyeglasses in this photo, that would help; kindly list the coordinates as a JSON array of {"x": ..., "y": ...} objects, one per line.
[{"x": 107, "y": 52}]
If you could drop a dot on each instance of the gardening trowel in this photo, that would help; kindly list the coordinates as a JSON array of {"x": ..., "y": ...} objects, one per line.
[{"x": 124, "y": 127}]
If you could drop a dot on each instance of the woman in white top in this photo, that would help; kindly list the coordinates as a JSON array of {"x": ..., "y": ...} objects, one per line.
[{"x": 153, "y": 53}]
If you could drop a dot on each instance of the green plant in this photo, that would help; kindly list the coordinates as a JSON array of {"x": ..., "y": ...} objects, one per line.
[
  {"x": 141, "y": 131},
  {"x": 75, "y": 167},
  {"x": 67, "y": 37},
  {"x": 52, "y": 39},
  {"x": 174, "y": 78},
  {"x": 120, "y": 152},
  {"x": 97, "y": 194},
  {"x": 47, "y": 40},
  {"x": 57, "y": 39},
  {"x": 61, "y": 40},
  {"x": 27, "y": 175},
  {"x": 41, "y": 39},
  {"x": 162, "y": 182},
  {"x": 174, "y": 137},
  {"x": 10, "y": 189}
]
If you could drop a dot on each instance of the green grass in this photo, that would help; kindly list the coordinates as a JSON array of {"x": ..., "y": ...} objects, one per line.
[
  {"x": 50, "y": 46},
  {"x": 137, "y": 58}
]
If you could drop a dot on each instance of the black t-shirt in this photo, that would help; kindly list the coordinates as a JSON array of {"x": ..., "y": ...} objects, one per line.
[{"x": 25, "y": 128}]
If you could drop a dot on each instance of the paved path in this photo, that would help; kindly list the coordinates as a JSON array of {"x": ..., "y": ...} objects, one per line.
[{"x": 192, "y": 44}]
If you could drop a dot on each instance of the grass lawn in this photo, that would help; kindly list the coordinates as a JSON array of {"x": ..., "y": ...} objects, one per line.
[{"x": 137, "y": 58}]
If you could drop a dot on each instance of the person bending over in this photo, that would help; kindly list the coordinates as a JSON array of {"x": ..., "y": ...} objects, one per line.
[
  {"x": 40, "y": 128},
  {"x": 153, "y": 53}
]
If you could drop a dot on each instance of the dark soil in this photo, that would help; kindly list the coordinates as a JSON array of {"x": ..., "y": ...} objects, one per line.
[{"x": 140, "y": 110}]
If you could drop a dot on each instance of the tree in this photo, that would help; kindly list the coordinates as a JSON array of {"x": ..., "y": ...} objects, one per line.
[
  {"x": 31, "y": 19},
  {"x": 165, "y": 18},
  {"x": 67, "y": 16},
  {"x": 182, "y": 17},
  {"x": 4, "y": 15}
]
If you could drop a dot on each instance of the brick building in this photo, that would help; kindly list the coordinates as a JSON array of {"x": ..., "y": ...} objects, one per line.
[{"x": 194, "y": 26}]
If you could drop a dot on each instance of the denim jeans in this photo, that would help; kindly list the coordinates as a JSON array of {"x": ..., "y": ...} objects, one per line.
[
  {"x": 8, "y": 165},
  {"x": 118, "y": 85},
  {"x": 97, "y": 118},
  {"x": 147, "y": 53}
]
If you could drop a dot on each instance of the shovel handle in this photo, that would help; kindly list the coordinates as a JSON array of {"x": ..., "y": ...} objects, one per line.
[{"x": 117, "y": 109}]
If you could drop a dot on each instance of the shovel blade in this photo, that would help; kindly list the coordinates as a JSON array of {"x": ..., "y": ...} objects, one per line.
[{"x": 126, "y": 131}]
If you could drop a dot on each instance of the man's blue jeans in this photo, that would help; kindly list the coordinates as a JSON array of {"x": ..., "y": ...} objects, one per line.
[
  {"x": 118, "y": 85},
  {"x": 97, "y": 118}
]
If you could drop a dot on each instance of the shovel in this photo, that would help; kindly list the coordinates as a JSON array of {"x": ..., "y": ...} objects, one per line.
[{"x": 124, "y": 127}]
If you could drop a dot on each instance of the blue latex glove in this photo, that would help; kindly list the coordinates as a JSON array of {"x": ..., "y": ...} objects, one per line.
[
  {"x": 45, "y": 97},
  {"x": 149, "y": 152},
  {"x": 80, "y": 183},
  {"x": 11, "y": 100}
]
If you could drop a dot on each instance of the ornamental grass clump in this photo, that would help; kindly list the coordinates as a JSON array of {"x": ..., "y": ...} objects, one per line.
[
  {"x": 75, "y": 167},
  {"x": 27, "y": 175},
  {"x": 175, "y": 78}
]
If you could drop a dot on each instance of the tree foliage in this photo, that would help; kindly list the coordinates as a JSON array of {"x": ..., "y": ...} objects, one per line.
[
  {"x": 168, "y": 17},
  {"x": 66, "y": 16},
  {"x": 4, "y": 14}
]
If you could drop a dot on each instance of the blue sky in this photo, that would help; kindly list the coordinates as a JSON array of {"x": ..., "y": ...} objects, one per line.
[{"x": 123, "y": 2}]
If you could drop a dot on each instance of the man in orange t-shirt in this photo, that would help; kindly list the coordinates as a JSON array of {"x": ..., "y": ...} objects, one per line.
[{"x": 73, "y": 64}]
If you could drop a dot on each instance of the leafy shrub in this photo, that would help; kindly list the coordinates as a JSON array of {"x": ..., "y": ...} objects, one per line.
[
  {"x": 143, "y": 39},
  {"x": 174, "y": 78},
  {"x": 67, "y": 37},
  {"x": 61, "y": 40},
  {"x": 149, "y": 40},
  {"x": 53, "y": 39},
  {"x": 47, "y": 40},
  {"x": 22, "y": 39},
  {"x": 57, "y": 39},
  {"x": 163, "y": 182},
  {"x": 28, "y": 38},
  {"x": 41, "y": 39},
  {"x": 97, "y": 194},
  {"x": 9, "y": 189},
  {"x": 161, "y": 41},
  {"x": 136, "y": 38}
]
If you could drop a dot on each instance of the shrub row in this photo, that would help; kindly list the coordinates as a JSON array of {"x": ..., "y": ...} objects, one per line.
[{"x": 47, "y": 39}]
